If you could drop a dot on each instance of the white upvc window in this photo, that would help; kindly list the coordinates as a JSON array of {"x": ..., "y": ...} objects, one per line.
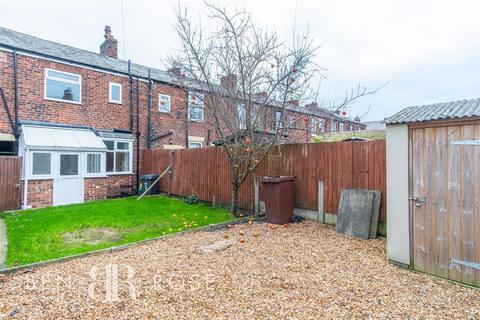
[
  {"x": 333, "y": 126},
  {"x": 95, "y": 164},
  {"x": 241, "y": 116},
  {"x": 321, "y": 125},
  {"x": 341, "y": 127},
  {"x": 195, "y": 144},
  {"x": 313, "y": 126},
  {"x": 41, "y": 164},
  {"x": 163, "y": 103},
  {"x": 195, "y": 106},
  {"x": 63, "y": 86},
  {"x": 278, "y": 120},
  {"x": 118, "y": 157},
  {"x": 115, "y": 92}
]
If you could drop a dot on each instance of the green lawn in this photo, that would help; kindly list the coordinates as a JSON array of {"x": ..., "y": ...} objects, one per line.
[{"x": 43, "y": 234}]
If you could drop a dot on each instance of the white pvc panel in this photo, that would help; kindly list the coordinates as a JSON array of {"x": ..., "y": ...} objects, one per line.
[{"x": 61, "y": 138}]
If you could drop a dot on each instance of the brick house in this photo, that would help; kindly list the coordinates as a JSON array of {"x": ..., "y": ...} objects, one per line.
[{"x": 81, "y": 119}]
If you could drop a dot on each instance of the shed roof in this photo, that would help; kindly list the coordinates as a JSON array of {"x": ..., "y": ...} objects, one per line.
[
  {"x": 438, "y": 111},
  {"x": 53, "y": 138}
]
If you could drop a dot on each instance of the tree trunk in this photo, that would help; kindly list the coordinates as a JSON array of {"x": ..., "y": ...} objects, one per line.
[{"x": 234, "y": 207}]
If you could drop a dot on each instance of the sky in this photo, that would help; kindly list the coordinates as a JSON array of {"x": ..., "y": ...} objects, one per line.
[{"x": 426, "y": 50}]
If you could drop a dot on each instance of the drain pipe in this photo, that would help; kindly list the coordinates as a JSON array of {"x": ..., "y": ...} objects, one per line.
[
  {"x": 131, "y": 93},
  {"x": 149, "y": 110},
  {"x": 137, "y": 133},
  {"x": 15, "y": 94}
]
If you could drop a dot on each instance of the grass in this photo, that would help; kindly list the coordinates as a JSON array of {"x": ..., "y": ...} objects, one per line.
[
  {"x": 340, "y": 136},
  {"x": 54, "y": 232}
]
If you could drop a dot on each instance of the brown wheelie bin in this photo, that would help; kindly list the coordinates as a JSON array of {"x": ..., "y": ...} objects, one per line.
[{"x": 279, "y": 198}]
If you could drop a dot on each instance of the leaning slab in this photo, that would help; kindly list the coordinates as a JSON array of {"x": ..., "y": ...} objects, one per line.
[
  {"x": 354, "y": 213},
  {"x": 3, "y": 245},
  {"x": 375, "y": 212},
  {"x": 218, "y": 246}
]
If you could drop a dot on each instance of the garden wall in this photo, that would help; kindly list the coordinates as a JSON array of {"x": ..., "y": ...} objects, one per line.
[{"x": 206, "y": 172}]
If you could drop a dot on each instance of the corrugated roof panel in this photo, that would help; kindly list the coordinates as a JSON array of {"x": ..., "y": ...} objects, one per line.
[{"x": 438, "y": 111}]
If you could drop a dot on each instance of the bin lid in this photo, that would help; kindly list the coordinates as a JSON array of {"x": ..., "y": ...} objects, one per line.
[
  {"x": 276, "y": 179},
  {"x": 149, "y": 176}
]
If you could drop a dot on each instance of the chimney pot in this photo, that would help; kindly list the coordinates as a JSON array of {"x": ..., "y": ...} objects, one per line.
[{"x": 109, "y": 47}]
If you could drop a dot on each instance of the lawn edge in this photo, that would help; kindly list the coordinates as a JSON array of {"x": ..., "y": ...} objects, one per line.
[{"x": 215, "y": 226}]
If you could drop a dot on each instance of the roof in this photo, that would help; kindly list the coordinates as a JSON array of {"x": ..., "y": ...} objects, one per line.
[
  {"x": 16, "y": 40},
  {"x": 375, "y": 125},
  {"x": 438, "y": 111},
  {"x": 54, "y": 138}
]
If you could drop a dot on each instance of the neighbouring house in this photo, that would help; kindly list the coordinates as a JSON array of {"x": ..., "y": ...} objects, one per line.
[
  {"x": 433, "y": 189},
  {"x": 80, "y": 119},
  {"x": 378, "y": 125}
]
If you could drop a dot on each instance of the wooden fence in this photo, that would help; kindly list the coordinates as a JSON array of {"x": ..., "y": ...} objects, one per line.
[
  {"x": 9, "y": 183},
  {"x": 206, "y": 172}
]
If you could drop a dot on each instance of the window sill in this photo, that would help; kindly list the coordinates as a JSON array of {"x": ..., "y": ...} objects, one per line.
[
  {"x": 118, "y": 173},
  {"x": 115, "y": 102},
  {"x": 193, "y": 120},
  {"x": 63, "y": 101},
  {"x": 164, "y": 111},
  {"x": 40, "y": 178},
  {"x": 87, "y": 176}
]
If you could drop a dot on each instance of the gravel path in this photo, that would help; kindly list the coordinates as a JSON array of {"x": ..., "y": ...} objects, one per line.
[{"x": 305, "y": 271}]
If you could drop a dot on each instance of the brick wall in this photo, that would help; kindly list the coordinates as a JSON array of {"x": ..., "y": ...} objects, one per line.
[
  {"x": 95, "y": 188},
  {"x": 120, "y": 185},
  {"x": 40, "y": 193}
]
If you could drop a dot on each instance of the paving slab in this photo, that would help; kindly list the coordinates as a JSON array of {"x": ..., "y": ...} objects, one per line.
[
  {"x": 3, "y": 245},
  {"x": 354, "y": 213}
]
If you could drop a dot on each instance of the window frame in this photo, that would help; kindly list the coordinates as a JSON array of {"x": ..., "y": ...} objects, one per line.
[
  {"x": 278, "y": 122},
  {"x": 115, "y": 150},
  {"x": 199, "y": 96},
  {"x": 195, "y": 142},
  {"x": 31, "y": 175},
  {"x": 47, "y": 77},
  {"x": 333, "y": 124},
  {"x": 160, "y": 95},
  {"x": 313, "y": 126},
  {"x": 110, "y": 85},
  {"x": 103, "y": 164},
  {"x": 341, "y": 127},
  {"x": 241, "y": 116}
]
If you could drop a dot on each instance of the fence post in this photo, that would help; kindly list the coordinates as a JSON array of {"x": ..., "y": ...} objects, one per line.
[
  {"x": 256, "y": 194},
  {"x": 321, "y": 213}
]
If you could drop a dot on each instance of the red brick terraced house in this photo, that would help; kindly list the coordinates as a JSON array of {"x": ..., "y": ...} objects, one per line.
[{"x": 80, "y": 119}]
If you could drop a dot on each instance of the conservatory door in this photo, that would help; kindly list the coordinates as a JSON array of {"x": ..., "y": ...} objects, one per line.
[{"x": 68, "y": 183}]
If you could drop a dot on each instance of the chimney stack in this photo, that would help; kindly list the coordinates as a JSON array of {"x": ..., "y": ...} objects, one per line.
[
  {"x": 229, "y": 82},
  {"x": 312, "y": 106},
  {"x": 109, "y": 47}
]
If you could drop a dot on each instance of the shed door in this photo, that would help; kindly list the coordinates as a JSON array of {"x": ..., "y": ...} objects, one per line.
[{"x": 445, "y": 206}]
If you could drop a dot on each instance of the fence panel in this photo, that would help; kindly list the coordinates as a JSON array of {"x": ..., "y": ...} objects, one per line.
[
  {"x": 206, "y": 172},
  {"x": 9, "y": 183}
]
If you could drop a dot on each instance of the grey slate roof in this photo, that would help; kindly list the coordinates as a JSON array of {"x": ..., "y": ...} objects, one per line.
[
  {"x": 30, "y": 44},
  {"x": 438, "y": 111}
]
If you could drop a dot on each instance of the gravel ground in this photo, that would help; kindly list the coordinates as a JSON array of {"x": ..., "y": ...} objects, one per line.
[{"x": 305, "y": 271}]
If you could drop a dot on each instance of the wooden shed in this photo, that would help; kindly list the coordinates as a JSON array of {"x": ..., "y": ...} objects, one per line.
[{"x": 433, "y": 188}]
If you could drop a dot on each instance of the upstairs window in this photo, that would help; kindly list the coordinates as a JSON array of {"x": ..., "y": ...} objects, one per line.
[
  {"x": 278, "y": 120},
  {"x": 313, "y": 126},
  {"x": 195, "y": 106},
  {"x": 63, "y": 86},
  {"x": 163, "y": 103},
  {"x": 242, "y": 116},
  {"x": 115, "y": 93}
]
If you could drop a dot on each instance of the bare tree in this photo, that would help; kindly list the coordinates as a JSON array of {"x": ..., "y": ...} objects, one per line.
[{"x": 245, "y": 83}]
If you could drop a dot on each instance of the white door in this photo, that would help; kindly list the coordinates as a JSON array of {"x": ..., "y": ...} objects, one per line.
[{"x": 68, "y": 183}]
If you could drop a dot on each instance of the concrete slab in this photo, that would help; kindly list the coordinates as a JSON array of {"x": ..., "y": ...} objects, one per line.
[
  {"x": 354, "y": 213},
  {"x": 3, "y": 245},
  {"x": 375, "y": 212}
]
